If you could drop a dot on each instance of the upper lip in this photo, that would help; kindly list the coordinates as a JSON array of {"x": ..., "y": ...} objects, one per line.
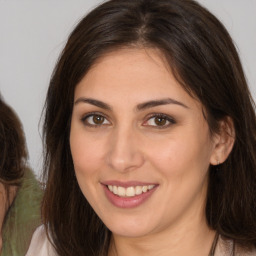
[{"x": 126, "y": 184}]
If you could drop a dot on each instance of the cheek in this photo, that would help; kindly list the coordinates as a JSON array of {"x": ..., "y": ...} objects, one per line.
[
  {"x": 169, "y": 158},
  {"x": 180, "y": 154},
  {"x": 85, "y": 153},
  {"x": 85, "y": 159}
]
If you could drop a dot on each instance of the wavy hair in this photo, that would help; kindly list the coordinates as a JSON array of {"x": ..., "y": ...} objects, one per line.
[{"x": 12, "y": 147}]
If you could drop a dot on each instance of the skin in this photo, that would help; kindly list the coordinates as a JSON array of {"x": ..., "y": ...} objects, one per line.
[{"x": 130, "y": 144}]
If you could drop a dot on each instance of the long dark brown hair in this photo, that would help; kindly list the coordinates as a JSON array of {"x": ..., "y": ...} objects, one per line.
[
  {"x": 203, "y": 58},
  {"x": 13, "y": 153}
]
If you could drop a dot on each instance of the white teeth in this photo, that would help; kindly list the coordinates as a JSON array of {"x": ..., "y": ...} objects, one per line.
[
  {"x": 121, "y": 191},
  {"x": 138, "y": 190},
  {"x": 130, "y": 191},
  {"x": 115, "y": 190},
  {"x": 144, "y": 189}
]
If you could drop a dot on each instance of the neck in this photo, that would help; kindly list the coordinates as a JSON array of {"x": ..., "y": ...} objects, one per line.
[{"x": 193, "y": 239}]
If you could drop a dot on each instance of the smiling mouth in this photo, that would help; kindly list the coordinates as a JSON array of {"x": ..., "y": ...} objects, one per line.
[{"x": 129, "y": 191}]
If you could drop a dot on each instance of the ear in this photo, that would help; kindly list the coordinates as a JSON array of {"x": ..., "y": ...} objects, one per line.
[{"x": 223, "y": 141}]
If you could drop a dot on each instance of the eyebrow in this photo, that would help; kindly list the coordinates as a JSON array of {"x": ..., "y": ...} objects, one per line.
[
  {"x": 139, "y": 107},
  {"x": 155, "y": 103},
  {"x": 94, "y": 102}
]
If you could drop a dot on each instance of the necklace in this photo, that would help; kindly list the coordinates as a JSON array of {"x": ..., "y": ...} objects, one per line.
[{"x": 214, "y": 244}]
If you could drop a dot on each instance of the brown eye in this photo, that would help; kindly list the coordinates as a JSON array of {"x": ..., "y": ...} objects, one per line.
[
  {"x": 160, "y": 121},
  {"x": 98, "y": 119},
  {"x": 95, "y": 120}
]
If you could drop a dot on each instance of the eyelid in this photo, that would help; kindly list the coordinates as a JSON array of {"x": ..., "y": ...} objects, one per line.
[
  {"x": 87, "y": 115},
  {"x": 170, "y": 119}
]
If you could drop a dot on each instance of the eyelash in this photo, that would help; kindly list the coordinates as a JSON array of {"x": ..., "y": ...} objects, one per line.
[
  {"x": 165, "y": 117},
  {"x": 161, "y": 116},
  {"x": 85, "y": 118}
]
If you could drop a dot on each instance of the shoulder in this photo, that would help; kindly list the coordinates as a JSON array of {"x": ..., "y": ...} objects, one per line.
[
  {"x": 245, "y": 251},
  {"x": 40, "y": 245},
  {"x": 29, "y": 194},
  {"x": 227, "y": 247},
  {"x": 23, "y": 216}
]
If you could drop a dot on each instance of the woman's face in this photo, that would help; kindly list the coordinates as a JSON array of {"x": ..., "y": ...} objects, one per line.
[{"x": 140, "y": 144}]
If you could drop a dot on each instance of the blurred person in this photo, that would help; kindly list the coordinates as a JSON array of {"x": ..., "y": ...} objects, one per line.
[{"x": 20, "y": 192}]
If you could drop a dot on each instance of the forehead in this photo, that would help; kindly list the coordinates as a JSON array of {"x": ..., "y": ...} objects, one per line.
[
  {"x": 127, "y": 66},
  {"x": 136, "y": 75}
]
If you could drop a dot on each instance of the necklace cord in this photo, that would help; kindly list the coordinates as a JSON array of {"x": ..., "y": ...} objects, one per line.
[{"x": 214, "y": 245}]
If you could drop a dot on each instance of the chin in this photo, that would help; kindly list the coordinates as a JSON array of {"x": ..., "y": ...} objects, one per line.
[
  {"x": 129, "y": 228},
  {"x": 131, "y": 233}
]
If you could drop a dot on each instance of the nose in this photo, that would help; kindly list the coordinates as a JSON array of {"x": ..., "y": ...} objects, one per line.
[{"x": 125, "y": 152}]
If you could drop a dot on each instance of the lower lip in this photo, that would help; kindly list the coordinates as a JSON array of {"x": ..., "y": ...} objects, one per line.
[{"x": 128, "y": 202}]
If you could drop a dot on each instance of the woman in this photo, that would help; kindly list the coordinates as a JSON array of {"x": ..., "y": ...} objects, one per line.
[
  {"x": 20, "y": 194},
  {"x": 150, "y": 137}
]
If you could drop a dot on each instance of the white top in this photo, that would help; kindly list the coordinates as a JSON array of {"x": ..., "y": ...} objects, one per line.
[{"x": 40, "y": 245}]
